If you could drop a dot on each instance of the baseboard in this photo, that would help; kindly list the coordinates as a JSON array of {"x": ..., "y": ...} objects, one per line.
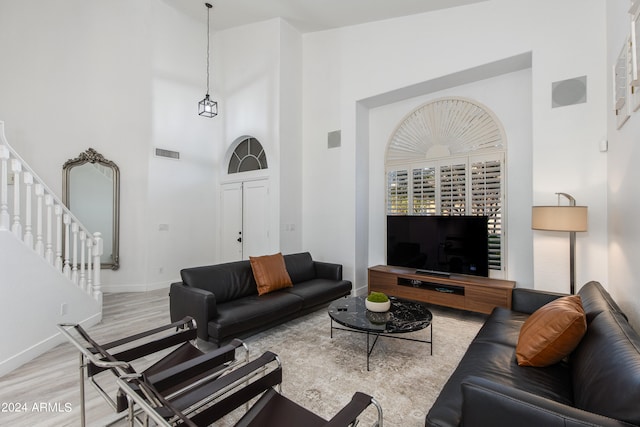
[
  {"x": 135, "y": 288},
  {"x": 17, "y": 360},
  {"x": 361, "y": 290}
]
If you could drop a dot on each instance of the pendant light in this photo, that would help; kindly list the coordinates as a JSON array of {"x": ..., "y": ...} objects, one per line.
[{"x": 207, "y": 107}]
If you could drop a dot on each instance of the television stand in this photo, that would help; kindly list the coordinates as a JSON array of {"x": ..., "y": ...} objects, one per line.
[
  {"x": 433, "y": 273},
  {"x": 465, "y": 292}
]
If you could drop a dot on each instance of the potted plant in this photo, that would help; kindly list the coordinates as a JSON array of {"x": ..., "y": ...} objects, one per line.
[{"x": 378, "y": 302}]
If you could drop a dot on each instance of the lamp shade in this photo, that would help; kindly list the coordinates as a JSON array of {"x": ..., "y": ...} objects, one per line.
[{"x": 559, "y": 218}]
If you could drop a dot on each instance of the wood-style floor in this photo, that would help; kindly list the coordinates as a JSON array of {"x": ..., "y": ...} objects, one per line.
[{"x": 45, "y": 391}]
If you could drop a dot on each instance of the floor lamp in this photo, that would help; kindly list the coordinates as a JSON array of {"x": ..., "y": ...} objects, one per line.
[{"x": 570, "y": 218}]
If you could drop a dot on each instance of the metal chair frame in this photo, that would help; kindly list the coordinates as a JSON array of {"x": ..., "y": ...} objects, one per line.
[
  {"x": 193, "y": 368},
  {"x": 260, "y": 377}
]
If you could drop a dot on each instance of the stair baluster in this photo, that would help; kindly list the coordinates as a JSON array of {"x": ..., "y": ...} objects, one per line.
[
  {"x": 74, "y": 257},
  {"x": 4, "y": 181},
  {"x": 16, "y": 227},
  {"x": 39, "y": 199},
  {"x": 66, "y": 269},
  {"x": 82, "y": 281},
  {"x": 48, "y": 248},
  {"x": 57, "y": 209},
  {"x": 28, "y": 233}
]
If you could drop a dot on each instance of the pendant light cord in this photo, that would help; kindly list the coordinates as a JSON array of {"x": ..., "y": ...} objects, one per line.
[{"x": 209, "y": 6}]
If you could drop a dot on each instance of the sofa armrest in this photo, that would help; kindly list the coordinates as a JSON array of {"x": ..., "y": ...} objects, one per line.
[
  {"x": 326, "y": 270},
  {"x": 486, "y": 403},
  {"x": 529, "y": 300},
  {"x": 195, "y": 302}
]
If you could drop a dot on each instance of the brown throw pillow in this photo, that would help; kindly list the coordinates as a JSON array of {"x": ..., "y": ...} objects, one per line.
[
  {"x": 270, "y": 273},
  {"x": 552, "y": 332}
]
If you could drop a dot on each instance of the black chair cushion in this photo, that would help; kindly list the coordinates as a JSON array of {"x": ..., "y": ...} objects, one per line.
[{"x": 275, "y": 410}]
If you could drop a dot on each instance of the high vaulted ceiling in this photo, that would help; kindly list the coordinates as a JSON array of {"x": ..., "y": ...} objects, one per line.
[{"x": 309, "y": 15}]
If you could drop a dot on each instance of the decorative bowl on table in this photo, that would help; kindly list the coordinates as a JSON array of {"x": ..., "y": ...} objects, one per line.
[{"x": 377, "y": 302}]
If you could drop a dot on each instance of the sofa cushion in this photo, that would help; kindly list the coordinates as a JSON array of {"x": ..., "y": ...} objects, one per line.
[
  {"x": 606, "y": 369},
  {"x": 551, "y": 332},
  {"x": 226, "y": 281},
  {"x": 504, "y": 327},
  {"x": 595, "y": 300},
  {"x": 319, "y": 291},
  {"x": 300, "y": 267},
  {"x": 252, "y": 312},
  {"x": 270, "y": 273}
]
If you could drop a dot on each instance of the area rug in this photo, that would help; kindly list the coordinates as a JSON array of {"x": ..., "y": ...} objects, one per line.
[{"x": 322, "y": 373}]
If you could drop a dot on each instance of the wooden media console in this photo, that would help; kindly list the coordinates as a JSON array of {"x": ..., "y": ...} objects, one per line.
[{"x": 473, "y": 293}]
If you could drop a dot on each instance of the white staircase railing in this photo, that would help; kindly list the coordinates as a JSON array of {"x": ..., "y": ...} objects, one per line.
[{"x": 58, "y": 236}]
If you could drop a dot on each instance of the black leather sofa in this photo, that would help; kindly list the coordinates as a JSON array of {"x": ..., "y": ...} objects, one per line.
[
  {"x": 597, "y": 385},
  {"x": 224, "y": 301}
]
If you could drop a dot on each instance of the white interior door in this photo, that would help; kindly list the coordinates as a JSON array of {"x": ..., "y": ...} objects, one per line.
[
  {"x": 244, "y": 220},
  {"x": 231, "y": 222},
  {"x": 255, "y": 218}
]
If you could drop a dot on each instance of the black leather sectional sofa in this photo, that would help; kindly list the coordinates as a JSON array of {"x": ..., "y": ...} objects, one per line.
[
  {"x": 224, "y": 301},
  {"x": 598, "y": 385}
]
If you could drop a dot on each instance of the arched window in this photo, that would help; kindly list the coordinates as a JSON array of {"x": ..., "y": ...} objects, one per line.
[
  {"x": 447, "y": 158},
  {"x": 248, "y": 156}
]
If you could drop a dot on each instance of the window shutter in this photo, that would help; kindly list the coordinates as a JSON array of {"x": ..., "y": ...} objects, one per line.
[
  {"x": 453, "y": 191},
  {"x": 398, "y": 192},
  {"x": 424, "y": 191},
  {"x": 486, "y": 192}
]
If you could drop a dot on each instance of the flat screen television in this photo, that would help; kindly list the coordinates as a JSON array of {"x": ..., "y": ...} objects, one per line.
[{"x": 439, "y": 244}]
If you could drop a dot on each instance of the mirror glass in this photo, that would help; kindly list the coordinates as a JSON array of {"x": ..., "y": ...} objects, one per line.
[{"x": 91, "y": 190}]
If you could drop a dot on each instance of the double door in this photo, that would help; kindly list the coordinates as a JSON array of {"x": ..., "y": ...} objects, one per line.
[{"x": 245, "y": 220}]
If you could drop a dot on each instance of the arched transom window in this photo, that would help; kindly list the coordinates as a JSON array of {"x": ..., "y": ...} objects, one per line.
[
  {"x": 248, "y": 156},
  {"x": 447, "y": 157}
]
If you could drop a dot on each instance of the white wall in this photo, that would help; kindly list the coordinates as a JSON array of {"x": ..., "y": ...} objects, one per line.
[
  {"x": 179, "y": 223},
  {"x": 350, "y": 64},
  {"x": 260, "y": 75},
  {"x": 290, "y": 139},
  {"x": 623, "y": 177},
  {"x": 31, "y": 304},
  {"x": 123, "y": 78}
]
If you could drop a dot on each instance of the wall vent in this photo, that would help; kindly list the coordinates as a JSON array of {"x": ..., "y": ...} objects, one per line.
[
  {"x": 334, "y": 139},
  {"x": 160, "y": 152}
]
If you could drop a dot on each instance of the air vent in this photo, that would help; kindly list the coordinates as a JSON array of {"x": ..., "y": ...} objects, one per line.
[
  {"x": 167, "y": 153},
  {"x": 333, "y": 139}
]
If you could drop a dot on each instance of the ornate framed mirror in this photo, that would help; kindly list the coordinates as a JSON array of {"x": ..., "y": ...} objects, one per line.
[{"x": 91, "y": 190}]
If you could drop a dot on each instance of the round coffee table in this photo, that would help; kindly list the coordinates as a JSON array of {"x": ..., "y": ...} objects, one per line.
[{"x": 403, "y": 316}]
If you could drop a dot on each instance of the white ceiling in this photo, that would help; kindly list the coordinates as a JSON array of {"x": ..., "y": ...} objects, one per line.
[{"x": 308, "y": 15}]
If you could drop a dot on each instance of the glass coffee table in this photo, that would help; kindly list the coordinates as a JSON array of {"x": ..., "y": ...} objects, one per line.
[{"x": 403, "y": 316}]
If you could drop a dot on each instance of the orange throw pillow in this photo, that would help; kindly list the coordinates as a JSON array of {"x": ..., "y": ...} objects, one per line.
[
  {"x": 552, "y": 332},
  {"x": 270, "y": 273}
]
